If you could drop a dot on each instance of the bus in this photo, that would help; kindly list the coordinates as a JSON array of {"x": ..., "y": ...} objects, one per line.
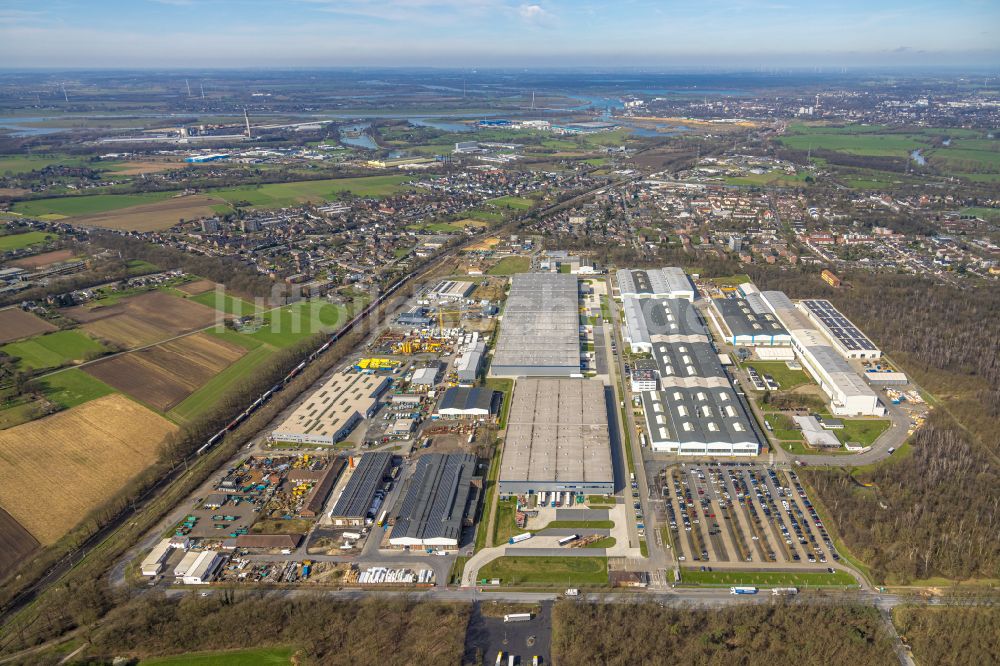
[
  {"x": 568, "y": 540},
  {"x": 382, "y": 517}
]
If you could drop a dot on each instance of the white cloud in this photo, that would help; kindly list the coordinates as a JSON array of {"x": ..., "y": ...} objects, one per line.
[{"x": 532, "y": 12}]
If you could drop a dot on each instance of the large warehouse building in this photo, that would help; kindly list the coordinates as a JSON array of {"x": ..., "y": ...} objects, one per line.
[
  {"x": 695, "y": 411},
  {"x": 440, "y": 501},
  {"x": 670, "y": 282},
  {"x": 849, "y": 394},
  {"x": 845, "y": 336},
  {"x": 357, "y": 503},
  {"x": 747, "y": 322},
  {"x": 540, "y": 329},
  {"x": 331, "y": 412},
  {"x": 557, "y": 439}
]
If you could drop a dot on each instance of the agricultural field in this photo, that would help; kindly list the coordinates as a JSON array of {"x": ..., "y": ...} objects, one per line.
[
  {"x": 43, "y": 260},
  {"x": 206, "y": 397},
  {"x": 801, "y": 579},
  {"x": 197, "y": 287},
  {"x": 73, "y": 387},
  {"x": 154, "y": 216},
  {"x": 53, "y": 350},
  {"x": 22, "y": 241},
  {"x": 16, "y": 324},
  {"x": 144, "y": 319},
  {"x": 164, "y": 375},
  {"x": 277, "y": 195},
  {"x": 79, "y": 205},
  {"x": 16, "y": 543},
  {"x": 80, "y": 457},
  {"x": 14, "y": 164},
  {"x": 231, "y": 305},
  {"x": 510, "y": 266}
]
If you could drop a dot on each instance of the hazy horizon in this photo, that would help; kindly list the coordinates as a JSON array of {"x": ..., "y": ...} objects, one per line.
[{"x": 751, "y": 34}]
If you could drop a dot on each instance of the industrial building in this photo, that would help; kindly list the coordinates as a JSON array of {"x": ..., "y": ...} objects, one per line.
[
  {"x": 470, "y": 362},
  {"x": 426, "y": 376},
  {"x": 322, "y": 487},
  {"x": 357, "y": 503},
  {"x": 670, "y": 282},
  {"x": 152, "y": 564},
  {"x": 849, "y": 394},
  {"x": 451, "y": 290},
  {"x": 650, "y": 321},
  {"x": 439, "y": 503},
  {"x": 747, "y": 322},
  {"x": 691, "y": 407},
  {"x": 331, "y": 412},
  {"x": 557, "y": 439},
  {"x": 844, "y": 335},
  {"x": 698, "y": 421},
  {"x": 462, "y": 402},
  {"x": 198, "y": 567},
  {"x": 540, "y": 329}
]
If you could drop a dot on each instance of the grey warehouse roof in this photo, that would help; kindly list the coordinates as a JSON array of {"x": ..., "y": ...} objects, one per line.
[
  {"x": 670, "y": 281},
  {"x": 557, "y": 430},
  {"x": 696, "y": 415},
  {"x": 464, "y": 398},
  {"x": 360, "y": 490},
  {"x": 649, "y": 319},
  {"x": 434, "y": 505},
  {"x": 742, "y": 319},
  {"x": 540, "y": 327}
]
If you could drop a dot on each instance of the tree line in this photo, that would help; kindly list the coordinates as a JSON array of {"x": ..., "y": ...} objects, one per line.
[{"x": 759, "y": 634}]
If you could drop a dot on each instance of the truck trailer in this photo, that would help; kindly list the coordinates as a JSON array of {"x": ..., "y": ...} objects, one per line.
[{"x": 743, "y": 590}]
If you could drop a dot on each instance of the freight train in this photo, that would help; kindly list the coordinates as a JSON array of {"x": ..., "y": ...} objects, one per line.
[{"x": 334, "y": 337}]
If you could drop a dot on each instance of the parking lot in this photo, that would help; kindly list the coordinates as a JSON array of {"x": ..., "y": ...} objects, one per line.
[{"x": 741, "y": 512}]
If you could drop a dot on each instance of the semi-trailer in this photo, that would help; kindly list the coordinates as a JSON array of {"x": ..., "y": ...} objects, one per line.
[
  {"x": 519, "y": 538},
  {"x": 784, "y": 590},
  {"x": 517, "y": 617},
  {"x": 565, "y": 541},
  {"x": 743, "y": 590}
]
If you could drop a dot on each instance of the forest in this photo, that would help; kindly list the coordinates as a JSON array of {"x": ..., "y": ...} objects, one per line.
[
  {"x": 783, "y": 633},
  {"x": 952, "y": 635},
  {"x": 375, "y": 630}
]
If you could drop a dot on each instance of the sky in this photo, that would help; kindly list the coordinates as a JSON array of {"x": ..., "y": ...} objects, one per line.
[{"x": 497, "y": 33}]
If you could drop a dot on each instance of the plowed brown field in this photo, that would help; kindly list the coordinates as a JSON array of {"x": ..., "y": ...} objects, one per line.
[
  {"x": 43, "y": 259},
  {"x": 197, "y": 287},
  {"x": 164, "y": 375},
  {"x": 16, "y": 543},
  {"x": 154, "y": 216},
  {"x": 144, "y": 319},
  {"x": 55, "y": 470},
  {"x": 16, "y": 324}
]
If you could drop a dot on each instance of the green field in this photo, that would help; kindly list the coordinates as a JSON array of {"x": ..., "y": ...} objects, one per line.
[
  {"x": 519, "y": 203},
  {"x": 291, "y": 323},
  {"x": 786, "y": 377},
  {"x": 561, "y": 571},
  {"x": 21, "y": 241},
  {"x": 87, "y": 205},
  {"x": 777, "y": 177},
  {"x": 985, "y": 213},
  {"x": 506, "y": 527},
  {"x": 510, "y": 266},
  {"x": 769, "y": 578},
  {"x": 228, "y": 304},
  {"x": 256, "y": 656},
  {"x": 278, "y": 195},
  {"x": 73, "y": 387},
  {"x": 52, "y": 350},
  {"x": 24, "y": 163},
  {"x": 208, "y": 395},
  {"x": 863, "y": 431}
]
